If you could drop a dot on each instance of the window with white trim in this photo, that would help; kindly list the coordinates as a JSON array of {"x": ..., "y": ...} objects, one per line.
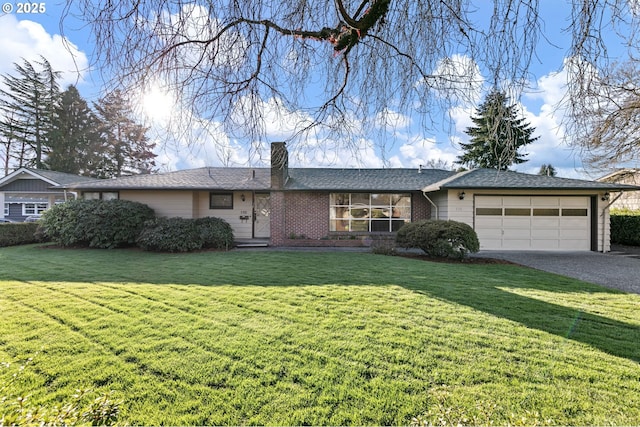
[
  {"x": 369, "y": 212},
  {"x": 6, "y": 209},
  {"x": 34, "y": 208}
]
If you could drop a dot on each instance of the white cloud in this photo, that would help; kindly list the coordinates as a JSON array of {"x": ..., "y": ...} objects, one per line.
[
  {"x": 389, "y": 119},
  {"x": 27, "y": 39},
  {"x": 424, "y": 151},
  {"x": 458, "y": 78}
]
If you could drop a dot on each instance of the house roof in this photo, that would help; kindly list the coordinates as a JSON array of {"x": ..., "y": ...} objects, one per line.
[
  {"x": 191, "y": 179},
  {"x": 51, "y": 177},
  {"x": 502, "y": 180},
  {"x": 619, "y": 174},
  {"x": 331, "y": 179},
  {"x": 363, "y": 179}
]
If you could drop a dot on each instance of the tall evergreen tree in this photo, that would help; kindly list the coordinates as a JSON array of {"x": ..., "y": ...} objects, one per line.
[
  {"x": 74, "y": 138},
  {"x": 28, "y": 106},
  {"x": 125, "y": 148},
  {"x": 547, "y": 170},
  {"x": 497, "y": 136}
]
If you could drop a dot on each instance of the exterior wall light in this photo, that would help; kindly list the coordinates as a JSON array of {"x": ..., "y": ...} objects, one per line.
[
  {"x": 242, "y": 197},
  {"x": 461, "y": 195},
  {"x": 606, "y": 196}
]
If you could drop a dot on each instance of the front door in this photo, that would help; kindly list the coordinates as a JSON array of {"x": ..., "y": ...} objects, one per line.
[{"x": 261, "y": 216}]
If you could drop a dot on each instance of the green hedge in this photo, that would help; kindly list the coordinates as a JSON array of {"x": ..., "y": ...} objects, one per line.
[
  {"x": 625, "y": 227},
  {"x": 18, "y": 233},
  {"x": 184, "y": 235},
  {"x": 439, "y": 238},
  {"x": 96, "y": 223}
]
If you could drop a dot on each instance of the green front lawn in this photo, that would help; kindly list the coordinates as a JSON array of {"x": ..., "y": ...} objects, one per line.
[{"x": 269, "y": 337}]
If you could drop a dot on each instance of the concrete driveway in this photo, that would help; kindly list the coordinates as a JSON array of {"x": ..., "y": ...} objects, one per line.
[{"x": 617, "y": 270}]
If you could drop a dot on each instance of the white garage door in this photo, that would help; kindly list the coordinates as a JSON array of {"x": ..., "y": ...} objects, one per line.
[{"x": 533, "y": 223}]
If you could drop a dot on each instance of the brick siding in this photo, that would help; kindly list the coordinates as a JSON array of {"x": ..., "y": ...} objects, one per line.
[{"x": 298, "y": 217}]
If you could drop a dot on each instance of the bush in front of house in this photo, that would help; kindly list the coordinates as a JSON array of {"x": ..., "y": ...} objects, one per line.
[
  {"x": 184, "y": 235},
  {"x": 439, "y": 238},
  {"x": 216, "y": 233},
  {"x": 625, "y": 227},
  {"x": 102, "y": 224},
  {"x": 18, "y": 233}
]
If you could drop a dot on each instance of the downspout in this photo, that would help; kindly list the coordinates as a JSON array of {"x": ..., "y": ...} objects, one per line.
[
  {"x": 432, "y": 204},
  {"x": 604, "y": 218}
]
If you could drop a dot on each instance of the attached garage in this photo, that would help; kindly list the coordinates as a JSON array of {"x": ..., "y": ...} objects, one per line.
[
  {"x": 516, "y": 211},
  {"x": 533, "y": 222}
]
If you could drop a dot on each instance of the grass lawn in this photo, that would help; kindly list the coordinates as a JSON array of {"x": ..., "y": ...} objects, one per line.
[{"x": 270, "y": 337}]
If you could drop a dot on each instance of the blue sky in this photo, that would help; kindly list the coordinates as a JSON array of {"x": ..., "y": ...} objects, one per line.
[{"x": 29, "y": 35}]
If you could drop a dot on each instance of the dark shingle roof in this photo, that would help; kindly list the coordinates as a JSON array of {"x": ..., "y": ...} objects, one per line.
[
  {"x": 191, "y": 179},
  {"x": 363, "y": 179},
  {"x": 61, "y": 178},
  {"x": 327, "y": 179},
  {"x": 494, "y": 179}
]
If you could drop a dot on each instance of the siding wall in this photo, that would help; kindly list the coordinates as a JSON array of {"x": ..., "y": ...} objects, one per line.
[
  {"x": 28, "y": 186},
  {"x": 242, "y": 229},
  {"x": 195, "y": 204},
  {"x": 629, "y": 199},
  {"x": 164, "y": 203}
]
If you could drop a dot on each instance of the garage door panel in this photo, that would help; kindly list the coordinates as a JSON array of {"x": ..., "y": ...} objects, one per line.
[
  {"x": 574, "y": 223},
  {"x": 538, "y": 222},
  {"x": 534, "y": 222},
  {"x": 545, "y": 233},
  {"x": 576, "y": 202},
  {"x": 489, "y": 244},
  {"x": 574, "y": 245},
  {"x": 542, "y": 201},
  {"x": 516, "y": 244},
  {"x": 575, "y": 234},
  {"x": 516, "y": 202},
  {"x": 516, "y": 222},
  {"x": 489, "y": 201},
  {"x": 517, "y": 233},
  {"x": 489, "y": 222}
]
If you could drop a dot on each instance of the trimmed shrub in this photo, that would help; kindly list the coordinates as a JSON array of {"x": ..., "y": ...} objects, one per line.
[
  {"x": 216, "y": 233},
  {"x": 184, "y": 235},
  {"x": 18, "y": 233},
  {"x": 170, "y": 235},
  {"x": 625, "y": 227},
  {"x": 439, "y": 238},
  {"x": 96, "y": 223}
]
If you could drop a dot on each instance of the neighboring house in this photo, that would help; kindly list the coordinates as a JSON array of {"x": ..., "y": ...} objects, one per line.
[
  {"x": 626, "y": 200},
  {"x": 26, "y": 192},
  {"x": 326, "y": 207}
]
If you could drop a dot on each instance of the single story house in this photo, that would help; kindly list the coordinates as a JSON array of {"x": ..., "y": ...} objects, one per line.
[
  {"x": 625, "y": 200},
  {"x": 26, "y": 192},
  {"x": 329, "y": 207}
]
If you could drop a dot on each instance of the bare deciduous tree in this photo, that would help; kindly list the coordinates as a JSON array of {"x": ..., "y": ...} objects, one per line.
[{"x": 331, "y": 66}]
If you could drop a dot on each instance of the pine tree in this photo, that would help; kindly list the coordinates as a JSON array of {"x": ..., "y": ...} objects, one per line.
[
  {"x": 124, "y": 147},
  {"x": 74, "y": 138},
  {"x": 497, "y": 136},
  {"x": 28, "y": 106},
  {"x": 547, "y": 170}
]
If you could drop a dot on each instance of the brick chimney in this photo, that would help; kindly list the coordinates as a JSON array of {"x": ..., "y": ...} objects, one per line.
[{"x": 279, "y": 165}]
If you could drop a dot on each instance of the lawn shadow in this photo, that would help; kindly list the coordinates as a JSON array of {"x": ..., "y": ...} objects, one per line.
[{"x": 608, "y": 335}]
